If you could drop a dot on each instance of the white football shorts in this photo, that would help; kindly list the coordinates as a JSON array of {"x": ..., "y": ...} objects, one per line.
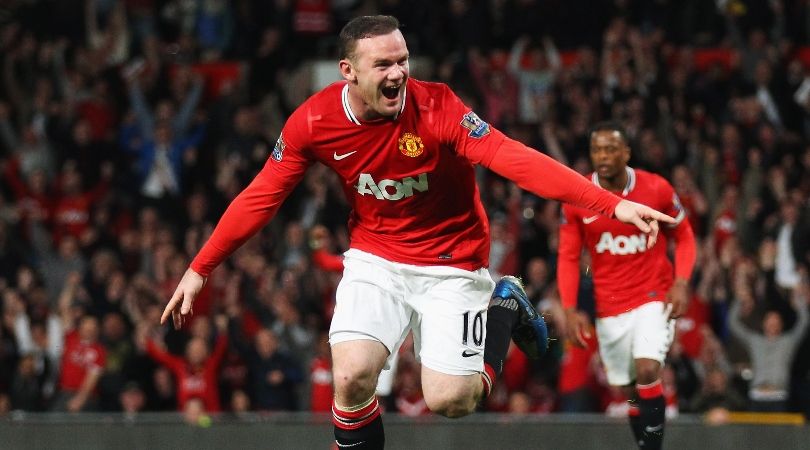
[
  {"x": 643, "y": 332},
  {"x": 445, "y": 307}
]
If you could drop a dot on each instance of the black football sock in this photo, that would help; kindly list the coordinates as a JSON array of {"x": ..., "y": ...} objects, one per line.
[
  {"x": 359, "y": 427},
  {"x": 634, "y": 417},
  {"x": 502, "y": 317},
  {"x": 652, "y": 408}
]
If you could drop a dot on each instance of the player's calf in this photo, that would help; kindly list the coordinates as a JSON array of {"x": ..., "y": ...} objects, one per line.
[
  {"x": 512, "y": 315},
  {"x": 652, "y": 414},
  {"x": 359, "y": 426},
  {"x": 355, "y": 409}
]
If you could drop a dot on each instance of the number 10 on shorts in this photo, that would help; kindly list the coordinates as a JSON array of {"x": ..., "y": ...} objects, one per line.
[{"x": 477, "y": 328}]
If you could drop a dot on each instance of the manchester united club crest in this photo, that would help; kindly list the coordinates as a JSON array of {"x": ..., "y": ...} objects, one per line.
[{"x": 411, "y": 145}]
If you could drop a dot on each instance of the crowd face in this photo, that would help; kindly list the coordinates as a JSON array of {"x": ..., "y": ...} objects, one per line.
[
  {"x": 88, "y": 329},
  {"x": 196, "y": 352},
  {"x": 266, "y": 343},
  {"x": 377, "y": 72},
  {"x": 772, "y": 324}
]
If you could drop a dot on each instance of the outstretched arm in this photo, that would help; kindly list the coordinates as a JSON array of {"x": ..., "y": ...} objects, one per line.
[
  {"x": 540, "y": 174},
  {"x": 248, "y": 213},
  {"x": 736, "y": 326},
  {"x": 533, "y": 171}
]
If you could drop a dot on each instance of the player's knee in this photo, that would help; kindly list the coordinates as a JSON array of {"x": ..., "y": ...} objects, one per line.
[
  {"x": 354, "y": 383},
  {"x": 647, "y": 373},
  {"x": 452, "y": 404}
]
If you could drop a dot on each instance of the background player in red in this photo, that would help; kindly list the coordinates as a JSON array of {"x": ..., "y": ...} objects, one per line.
[
  {"x": 405, "y": 151},
  {"x": 637, "y": 298}
]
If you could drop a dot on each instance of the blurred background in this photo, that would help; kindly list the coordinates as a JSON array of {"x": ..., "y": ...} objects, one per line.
[{"x": 127, "y": 126}]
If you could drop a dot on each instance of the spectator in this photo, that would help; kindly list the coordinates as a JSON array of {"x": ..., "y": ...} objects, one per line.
[
  {"x": 320, "y": 378},
  {"x": 275, "y": 375},
  {"x": 83, "y": 361},
  {"x": 196, "y": 374},
  {"x": 536, "y": 79},
  {"x": 716, "y": 393},
  {"x": 771, "y": 352},
  {"x": 132, "y": 399},
  {"x": 26, "y": 389}
]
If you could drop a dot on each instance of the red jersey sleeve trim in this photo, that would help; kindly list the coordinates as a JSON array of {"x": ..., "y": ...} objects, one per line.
[{"x": 544, "y": 176}]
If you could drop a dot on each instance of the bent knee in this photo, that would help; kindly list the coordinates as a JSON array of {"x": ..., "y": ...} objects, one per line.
[{"x": 452, "y": 404}]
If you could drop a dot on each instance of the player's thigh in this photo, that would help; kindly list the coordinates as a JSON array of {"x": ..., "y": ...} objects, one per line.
[
  {"x": 369, "y": 306},
  {"x": 654, "y": 332},
  {"x": 452, "y": 322},
  {"x": 615, "y": 336},
  {"x": 369, "y": 322}
]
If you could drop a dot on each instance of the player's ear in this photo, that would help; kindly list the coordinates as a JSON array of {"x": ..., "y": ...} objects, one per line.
[{"x": 347, "y": 70}]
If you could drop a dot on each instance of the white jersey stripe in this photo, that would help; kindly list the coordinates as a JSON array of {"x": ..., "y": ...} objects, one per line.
[{"x": 347, "y": 108}]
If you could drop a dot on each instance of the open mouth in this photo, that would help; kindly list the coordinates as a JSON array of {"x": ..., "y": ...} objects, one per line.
[{"x": 390, "y": 92}]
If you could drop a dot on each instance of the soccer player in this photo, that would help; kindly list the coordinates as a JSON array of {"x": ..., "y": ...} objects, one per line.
[
  {"x": 638, "y": 295},
  {"x": 405, "y": 150}
]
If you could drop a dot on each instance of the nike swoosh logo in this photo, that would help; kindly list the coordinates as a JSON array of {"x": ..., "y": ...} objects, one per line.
[
  {"x": 467, "y": 353},
  {"x": 587, "y": 220},
  {"x": 654, "y": 429},
  {"x": 349, "y": 445},
  {"x": 345, "y": 155}
]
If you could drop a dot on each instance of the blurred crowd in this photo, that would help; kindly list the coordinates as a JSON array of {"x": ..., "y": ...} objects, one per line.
[{"x": 127, "y": 126}]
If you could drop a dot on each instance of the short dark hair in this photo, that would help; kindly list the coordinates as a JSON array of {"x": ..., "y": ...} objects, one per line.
[
  {"x": 364, "y": 27},
  {"x": 611, "y": 125}
]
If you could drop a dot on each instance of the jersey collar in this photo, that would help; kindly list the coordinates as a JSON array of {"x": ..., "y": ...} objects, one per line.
[
  {"x": 347, "y": 108},
  {"x": 631, "y": 180}
]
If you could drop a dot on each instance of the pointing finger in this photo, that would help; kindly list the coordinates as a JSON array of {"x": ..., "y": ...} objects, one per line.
[
  {"x": 170, "y": 307},
  {"x": 662, "y": 217}
]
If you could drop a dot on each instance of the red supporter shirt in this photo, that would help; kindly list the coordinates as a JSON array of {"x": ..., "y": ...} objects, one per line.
[
  {"x": 575, "y": 372},
  {"x": 78, "y": 359},
  {"x": 625, "y": 273},
  {"x": 71, "y": 213},
  {"x": 409, "y": 180},
  {"x": 690, "y": 327},
  {"x": 320, "y": 377},
  {"x": 192, "y": 383}
]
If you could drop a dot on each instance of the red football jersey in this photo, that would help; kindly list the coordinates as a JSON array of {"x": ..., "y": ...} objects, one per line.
[
  {"x": 625, "y": 273},
  {"x": 410, "y": 181},
  {"x": 202, "y": 382},
  {"x": 79, "y": 358}
]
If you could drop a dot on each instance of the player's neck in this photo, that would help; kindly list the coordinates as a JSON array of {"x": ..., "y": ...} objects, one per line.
[
  {"x": 616, "y": 183},
  {"x": 361, "y": 110}
]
